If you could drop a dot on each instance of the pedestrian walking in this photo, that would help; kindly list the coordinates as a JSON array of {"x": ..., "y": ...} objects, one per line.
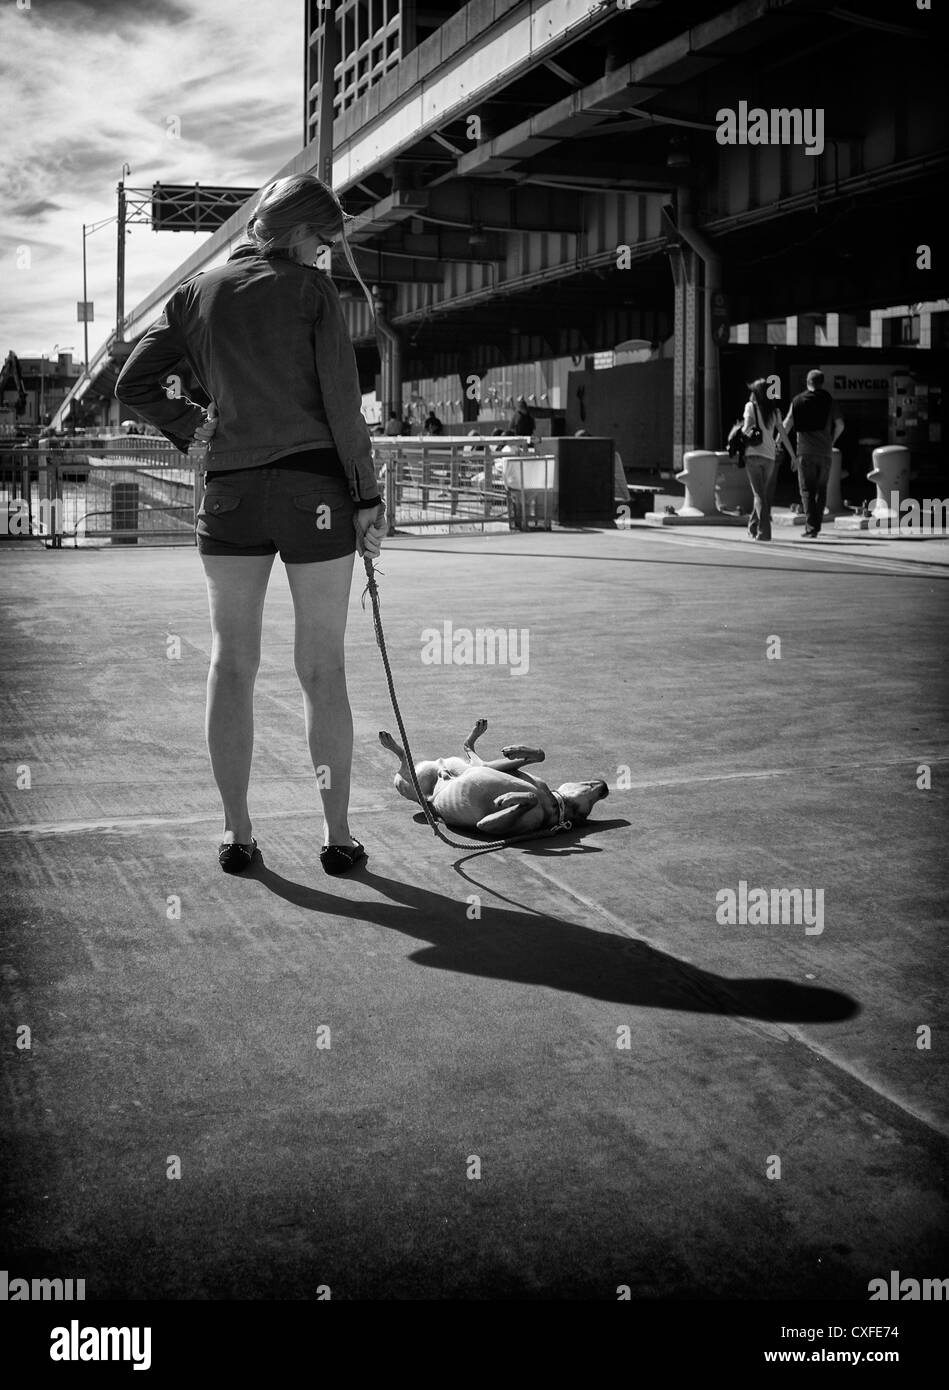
[
  {"x": 817, "y": 423},
  {"x": 289, "y": 469},
  {"x": 762, "y": 426}
]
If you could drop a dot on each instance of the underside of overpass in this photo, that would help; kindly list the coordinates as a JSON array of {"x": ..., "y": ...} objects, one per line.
[
  {"x": 526, "y": 192},
  {"x": 589, "y": 166}
]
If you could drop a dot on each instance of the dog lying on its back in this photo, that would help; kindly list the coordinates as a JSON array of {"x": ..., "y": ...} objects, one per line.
[{"x": 498, "y": 798}]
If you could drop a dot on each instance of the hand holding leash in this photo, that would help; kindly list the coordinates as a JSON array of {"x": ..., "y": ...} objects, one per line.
[
  {"x": 203, "y": 435},
  {"x": 370, "y": 527}
]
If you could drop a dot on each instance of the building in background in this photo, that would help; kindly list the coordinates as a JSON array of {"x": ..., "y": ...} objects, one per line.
[{"x": 32, "y": 390}]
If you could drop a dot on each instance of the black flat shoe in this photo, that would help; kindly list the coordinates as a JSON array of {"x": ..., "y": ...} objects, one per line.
[
  {"x": 233, "y": 859},
  {"x": 339, "y": 859}
]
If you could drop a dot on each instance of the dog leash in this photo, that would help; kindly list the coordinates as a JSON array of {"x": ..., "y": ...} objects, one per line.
[{"x": 562, "y": 823}]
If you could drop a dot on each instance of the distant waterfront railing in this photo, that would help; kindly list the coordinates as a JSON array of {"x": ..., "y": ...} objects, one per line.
[{"x": 132, "y": 489}]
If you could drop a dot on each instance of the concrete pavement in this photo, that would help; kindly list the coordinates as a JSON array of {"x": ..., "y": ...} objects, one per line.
[{"x": 624, "y": 1068}]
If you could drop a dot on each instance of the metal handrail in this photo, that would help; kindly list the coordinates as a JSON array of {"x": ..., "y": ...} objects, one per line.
[{"x": 428, "y": 481}]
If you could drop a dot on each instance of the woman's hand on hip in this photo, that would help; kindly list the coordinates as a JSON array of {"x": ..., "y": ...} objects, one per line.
[
  {"x": 370, "y": 527},
  {"x": 205, "y": 431}
]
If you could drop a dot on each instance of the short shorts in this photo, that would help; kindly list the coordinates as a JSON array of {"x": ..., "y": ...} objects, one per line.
[{"x": 304, "y": 514}]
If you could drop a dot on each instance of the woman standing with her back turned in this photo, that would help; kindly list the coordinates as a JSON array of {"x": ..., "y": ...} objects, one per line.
[
  {"x": 289, "y": 469},
  {"x": 761, "y": 459}
]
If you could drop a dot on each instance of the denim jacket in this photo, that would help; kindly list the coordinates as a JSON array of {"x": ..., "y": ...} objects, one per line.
[{"x": 266, "y": 339}]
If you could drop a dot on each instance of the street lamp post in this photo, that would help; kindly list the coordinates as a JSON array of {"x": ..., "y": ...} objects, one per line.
[
  {"x": 87, "y": 230},
  {"x": 120, "y": 262},
  {"x": 330, "y": 57},
  {"x": 85, "y": 308}
]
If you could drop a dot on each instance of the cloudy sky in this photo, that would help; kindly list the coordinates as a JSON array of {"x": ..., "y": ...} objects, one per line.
[{"x": 88, "y": 85}]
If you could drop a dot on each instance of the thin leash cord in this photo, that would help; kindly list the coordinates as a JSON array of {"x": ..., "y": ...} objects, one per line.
[{"x": 373, "y": 590}]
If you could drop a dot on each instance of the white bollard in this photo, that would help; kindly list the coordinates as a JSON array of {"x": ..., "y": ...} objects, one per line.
[
  {"x": 890, "y": 472},
  {"x": 699, "y": 473}
]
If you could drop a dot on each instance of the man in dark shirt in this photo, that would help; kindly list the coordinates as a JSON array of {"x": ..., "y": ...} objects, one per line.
[
  {"x": 522, "y": 421},
  {"x": 818, "y": 425}
]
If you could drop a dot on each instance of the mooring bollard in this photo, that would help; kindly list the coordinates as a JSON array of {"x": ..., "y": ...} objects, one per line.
[
  {"x": 890, "y": 472},
  {"x": 699, "y": 474},
  {"x": 125, "y": 513}
]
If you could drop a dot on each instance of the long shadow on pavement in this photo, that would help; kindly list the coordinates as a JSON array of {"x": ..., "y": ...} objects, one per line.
[{"x": 533, "y": 948}]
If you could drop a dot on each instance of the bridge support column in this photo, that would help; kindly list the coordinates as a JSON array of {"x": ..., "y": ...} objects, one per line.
[
  {"x": 687, "y": 347},
  {"x": 704, "y": 279},
  {"x": 390, "y": 355}
]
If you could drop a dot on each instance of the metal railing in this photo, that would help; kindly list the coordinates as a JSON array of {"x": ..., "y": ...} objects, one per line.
[
  {"x": 126, "y": 489},
  {"x": 129, "y": 489},
  {"x": 446, "y": 482}
]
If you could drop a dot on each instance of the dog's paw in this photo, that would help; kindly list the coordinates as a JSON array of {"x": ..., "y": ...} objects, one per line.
[
  {"x": 524, "y": 799},
  {"x": 521, "y": 750}
]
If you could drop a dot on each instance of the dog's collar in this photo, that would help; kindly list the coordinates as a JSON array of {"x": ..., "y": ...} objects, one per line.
[{"x": 562, "y": 822}]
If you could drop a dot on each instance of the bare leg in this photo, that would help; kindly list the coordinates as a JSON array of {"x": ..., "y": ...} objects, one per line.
[
  {"x": 389, "y": 743},
  {"x": 320, "y": 594},
  {"x": 237, "y": 587},
  {"x": 524, "y": 753},
  {"x": 509, "y": 809},
  {"x": 516, "y": 755},
  {"x": 468, "y": 746}
]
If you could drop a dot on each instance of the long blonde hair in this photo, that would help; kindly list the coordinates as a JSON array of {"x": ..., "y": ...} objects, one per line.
[{"x": 301, "y": 199}]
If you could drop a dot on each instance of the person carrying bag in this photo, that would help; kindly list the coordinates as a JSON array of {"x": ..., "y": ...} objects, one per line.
[{"x": 761, "y": 427}]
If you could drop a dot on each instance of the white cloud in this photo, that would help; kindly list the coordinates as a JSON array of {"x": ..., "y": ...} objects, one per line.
[{"x": 89, "y": 88}]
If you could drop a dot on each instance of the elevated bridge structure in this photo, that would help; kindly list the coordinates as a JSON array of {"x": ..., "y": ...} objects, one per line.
[{"x": 543, "y": 178}]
